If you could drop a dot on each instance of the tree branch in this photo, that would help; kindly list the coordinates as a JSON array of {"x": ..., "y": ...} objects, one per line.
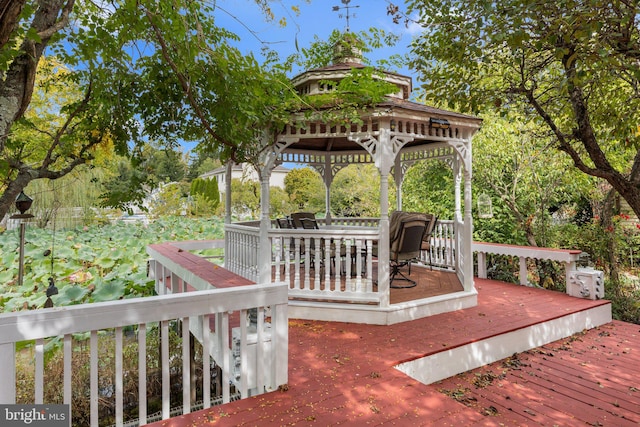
[{"x": 186, "y": 87}]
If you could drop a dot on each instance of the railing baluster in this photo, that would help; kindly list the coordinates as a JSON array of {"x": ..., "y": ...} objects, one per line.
[
  {"x": 164, "y": 363},
  {"x": 244, "y": 360},
  {"x": 307, "y": 262},
  {"x": 8, "y": 363},
  {"x": 223, "y": 331},
  {"x": 206, "y": 361},
  {"x": 317, "y": 263},
  {"x": 186, "y": 366},
  {"x": 93, "y": 361},
  {"x": 142, "y": 373},
  {"x": 118, "y": 376},
  {"x": 358, "y": 266},
  {"x": 39, "y": 374},
  {"x": 347, "y": 263},
  {"x": 296, "y": 276},
  {"x": 327, "y": 264},
  {"x": 260, "y": 351},
  {"x": 67, "y": 357}
]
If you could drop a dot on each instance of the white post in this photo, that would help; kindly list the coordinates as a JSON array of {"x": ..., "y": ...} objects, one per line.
[
  {"x": 227, "y": 192},
  {"x": 8, "y": 373},
  {"x": 468, "y": 231},
  {"x": 482, "y": 265},
  {"x": 523, "y": 271},
  {"x": 398, "y": 176},
  {"x": 328, "y": 179},
  {"x": 384, "y": 160},
  {"x": 264, "y": 255}
]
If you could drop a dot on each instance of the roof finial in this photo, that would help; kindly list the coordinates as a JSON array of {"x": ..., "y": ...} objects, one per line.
[{"x": 348, "y": 14}]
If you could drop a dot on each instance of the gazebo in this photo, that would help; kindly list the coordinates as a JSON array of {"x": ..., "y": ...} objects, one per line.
[{"x": 393, "y": 135}]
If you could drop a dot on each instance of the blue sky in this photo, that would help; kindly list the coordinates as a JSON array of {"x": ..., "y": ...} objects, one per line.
[{"x": 246, "y": 20}]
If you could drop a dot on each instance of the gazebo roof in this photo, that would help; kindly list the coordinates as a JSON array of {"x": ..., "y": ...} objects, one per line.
[{"x": 418, "y": 124}]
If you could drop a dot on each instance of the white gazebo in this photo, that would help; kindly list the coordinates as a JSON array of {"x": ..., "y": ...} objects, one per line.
[{"x": 393, "y": 135}]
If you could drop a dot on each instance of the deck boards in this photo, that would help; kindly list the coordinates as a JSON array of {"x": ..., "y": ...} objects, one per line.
[{"x": 343, "y": 373}]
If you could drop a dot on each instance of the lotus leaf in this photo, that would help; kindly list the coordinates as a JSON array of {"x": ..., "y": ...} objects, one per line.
[
  {"x": 108, "y": 291},
  {"x": 70, "y": 295}
]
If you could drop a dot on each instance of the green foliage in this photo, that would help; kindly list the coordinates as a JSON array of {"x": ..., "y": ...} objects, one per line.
[
  {"x": 245, "y": 199},
  {"x": 90, "y": 264},
  {"x": 511, "y": 164},
  {"x": 323, "y": 52},
  {"x": 280, "y": 203},
  {"x": 169, "y": 200},
  {"x": 126, "y": 188},
  {"x": 305, "y": 189},
  {"x": 355, "y": 192},
  {"x": 205, "y": 196},
  {"x": 569, "y": 66},
  {"x": 428, "y": 187}
]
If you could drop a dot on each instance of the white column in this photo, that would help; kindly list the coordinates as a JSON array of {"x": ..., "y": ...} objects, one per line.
[
  {"x": 467, "y": 249},
  {"x": 384, "y": 159},
  {"x": 264, "y": 255},
  {"x": 227, "y": 193},
  {"x": 458, "y": 222},
  {"x": 328, "y": 179},
  {"x": 398, "y": 176}
]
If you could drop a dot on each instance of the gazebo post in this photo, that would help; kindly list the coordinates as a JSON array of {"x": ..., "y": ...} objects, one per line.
[
  {"x": 328, "y": 179},
  {"x": 467, "y": 250},
  {"x": 227, "y": 193},
  {"x": 264, "y": 254},
  {"x": 458, "y": 221},
  {"x": 384, "y": 159},
  {"x": 398, "y": 176}
]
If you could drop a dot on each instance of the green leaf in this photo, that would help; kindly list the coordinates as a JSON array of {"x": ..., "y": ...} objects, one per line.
[{"x": 108, "y": 291}]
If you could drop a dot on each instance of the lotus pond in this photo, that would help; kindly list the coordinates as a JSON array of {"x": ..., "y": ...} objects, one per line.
[{"x": 89, "y": 264}]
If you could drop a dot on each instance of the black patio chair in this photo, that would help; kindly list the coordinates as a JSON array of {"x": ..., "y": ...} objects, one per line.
[{"x": 406, "y": 231}]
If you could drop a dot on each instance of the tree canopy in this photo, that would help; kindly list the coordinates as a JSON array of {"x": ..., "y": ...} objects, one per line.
[
  {"x": 573, "y": 66},
  {"x": 143, "y": 70}
]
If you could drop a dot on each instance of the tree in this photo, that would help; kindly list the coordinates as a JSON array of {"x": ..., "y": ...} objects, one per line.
[
  {"x": 208, "y": 189},
  {"x": 147, "y": 70},
  {"x": 355, "y": 192},
  {"x": 144, "y": 70},
  {"x": 305, "y": 189},
  {"x": 428, "y": 187},
  {"x": 573, "y": 66}
]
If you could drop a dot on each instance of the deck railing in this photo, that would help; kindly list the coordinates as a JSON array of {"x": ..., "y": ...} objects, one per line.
[
  {"x": 318, "y": 262},
  {"x": 580, "y": 282},
  {"x": 206, "y": 310},
  {"x": 443, "y": 252}
]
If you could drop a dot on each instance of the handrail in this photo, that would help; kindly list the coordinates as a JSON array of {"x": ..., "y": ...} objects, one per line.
[
  {"x": 569, "y": 257},
  {"x": 205, "y": 310}
]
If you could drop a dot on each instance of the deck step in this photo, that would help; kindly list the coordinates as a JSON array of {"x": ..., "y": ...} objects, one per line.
[{"x": 483, "y": 351}]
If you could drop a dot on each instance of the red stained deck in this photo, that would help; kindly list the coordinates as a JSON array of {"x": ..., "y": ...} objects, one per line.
[{"x": 343, "y": 373}]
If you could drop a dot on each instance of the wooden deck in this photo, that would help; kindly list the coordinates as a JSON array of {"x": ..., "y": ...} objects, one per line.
[{"x": 343, "y": 373}]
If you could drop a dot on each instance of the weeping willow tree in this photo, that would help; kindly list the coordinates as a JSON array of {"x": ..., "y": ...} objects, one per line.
[{"x": 69, "y": 201}]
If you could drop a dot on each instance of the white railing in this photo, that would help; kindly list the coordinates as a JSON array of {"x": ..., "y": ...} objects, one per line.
[
  {"x": 242, "y": 243},
  {"x": 569, "y": 257},
  {"x": 346, "y": 246},
  {"x": 332, "y": 263},
  {"x": 208, "y": 310},
  {"x": 443, "y": 252},
  {"x": 351, "y": 222}
]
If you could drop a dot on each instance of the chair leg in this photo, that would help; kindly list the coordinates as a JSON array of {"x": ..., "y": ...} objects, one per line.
[{"x": 395, "y": 272}]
